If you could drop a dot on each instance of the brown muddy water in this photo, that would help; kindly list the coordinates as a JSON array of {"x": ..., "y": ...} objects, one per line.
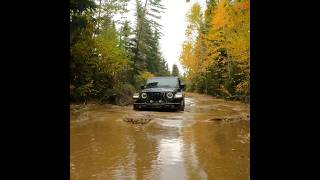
[{"x": 209, "y": 140}]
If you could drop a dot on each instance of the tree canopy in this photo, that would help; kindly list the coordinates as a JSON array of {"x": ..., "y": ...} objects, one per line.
[
  {"x": 110, "y": 58},
  {"x": 175, "y": 70},
  {"x": 216, "y": 54}
]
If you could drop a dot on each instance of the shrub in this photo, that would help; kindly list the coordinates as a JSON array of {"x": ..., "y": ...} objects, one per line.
[
  {"x": 142, "y": 78},
  {"x": 120, "y": 94}
]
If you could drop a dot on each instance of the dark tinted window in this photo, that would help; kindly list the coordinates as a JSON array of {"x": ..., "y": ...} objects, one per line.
[{"x": 162, "y": 82}]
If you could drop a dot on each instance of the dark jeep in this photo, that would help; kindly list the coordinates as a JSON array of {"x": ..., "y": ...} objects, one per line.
[{"x": 160, "y": 93}]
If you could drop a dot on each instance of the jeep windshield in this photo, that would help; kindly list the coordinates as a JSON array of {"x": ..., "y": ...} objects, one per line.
[{"x": 162, "y": 82}]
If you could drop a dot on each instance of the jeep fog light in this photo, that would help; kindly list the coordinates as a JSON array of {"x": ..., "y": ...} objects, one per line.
[
  {"x": 144, "y": 95},
  {"x": 178, "y": 95},
  {"x": 136, "y": 95}
]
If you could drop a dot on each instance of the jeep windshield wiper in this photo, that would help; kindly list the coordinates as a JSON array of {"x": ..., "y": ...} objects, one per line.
[{"x": 152, "y": 84}]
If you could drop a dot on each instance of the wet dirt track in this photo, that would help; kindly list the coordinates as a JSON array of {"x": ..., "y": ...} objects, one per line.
[{"x": 209, "y": 140}]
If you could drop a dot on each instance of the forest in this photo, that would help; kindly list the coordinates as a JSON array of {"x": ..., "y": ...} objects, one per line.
[
  {"x": 111, "y": 58},
  {"x": 216, "y": 54},
  {"x": 108, "y": 63}
]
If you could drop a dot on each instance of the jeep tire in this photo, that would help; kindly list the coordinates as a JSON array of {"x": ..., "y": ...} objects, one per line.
[
  {"x": 182, "y": 105},
  {"x": 135, "y": 107}
]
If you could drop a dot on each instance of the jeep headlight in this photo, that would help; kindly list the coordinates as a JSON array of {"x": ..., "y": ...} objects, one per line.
[
  {"x": 178, "y": 95},
  {"x": 143, "y": 95},
  {"x": 169, "y": 95},
  {"x": 135, "y": 95}
]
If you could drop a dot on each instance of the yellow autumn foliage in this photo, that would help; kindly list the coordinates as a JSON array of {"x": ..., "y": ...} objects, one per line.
[
  {"x": 223, "y": 15},
  {"x": 221, "y": 47}
]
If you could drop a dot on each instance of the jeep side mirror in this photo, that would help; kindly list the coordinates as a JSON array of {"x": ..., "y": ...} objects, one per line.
[
  {"x": 142, "y": 87},
  {"x": 183, "y": 86}
]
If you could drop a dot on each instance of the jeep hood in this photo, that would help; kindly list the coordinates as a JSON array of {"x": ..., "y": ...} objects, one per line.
[{"x": 159, "y": 89}]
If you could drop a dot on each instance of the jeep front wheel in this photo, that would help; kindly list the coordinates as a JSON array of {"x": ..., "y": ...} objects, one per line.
[
  {"x": 182, "y": 105},
  {"x": 136, "y": 108}
]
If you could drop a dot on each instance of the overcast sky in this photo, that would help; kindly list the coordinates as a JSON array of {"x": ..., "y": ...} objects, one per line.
[
  {"x": 174, "y": 24},
  {"x": 173, "y": 28}
]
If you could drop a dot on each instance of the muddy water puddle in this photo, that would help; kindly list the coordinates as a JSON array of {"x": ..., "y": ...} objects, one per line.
[{"x": 173, "y": 145}]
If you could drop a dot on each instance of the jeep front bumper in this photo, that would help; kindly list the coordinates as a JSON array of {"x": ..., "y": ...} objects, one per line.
[{"x": 156, "y": 105}]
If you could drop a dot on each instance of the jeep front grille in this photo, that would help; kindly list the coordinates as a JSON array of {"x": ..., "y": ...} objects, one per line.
[{"x": 156, "y": 96}]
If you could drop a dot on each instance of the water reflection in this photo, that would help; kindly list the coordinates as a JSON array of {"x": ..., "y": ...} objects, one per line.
[
  {"x": 170, "y": 151},
  {"x": 168, "y": 164}
]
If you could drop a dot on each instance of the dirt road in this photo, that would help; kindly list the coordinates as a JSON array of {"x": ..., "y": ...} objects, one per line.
[{"x": 209, "y": 140}]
